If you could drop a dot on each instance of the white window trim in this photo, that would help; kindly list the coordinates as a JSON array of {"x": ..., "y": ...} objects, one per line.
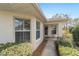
[
  {"x": 24, "y": 30},
  {"x": 23, "y": 27},
  {"x": 38, "y": 30}
]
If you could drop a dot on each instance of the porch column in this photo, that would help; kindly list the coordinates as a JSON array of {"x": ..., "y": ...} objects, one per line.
[
  {"x": 33, "y": 32},
  {"x": 49, "y": 31},
  {"x": 60, "y": 30}
]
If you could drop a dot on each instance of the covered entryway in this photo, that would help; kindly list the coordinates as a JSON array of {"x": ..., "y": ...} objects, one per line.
[
  {"x": 54, "y": 28},
  {"x": 51, "y": 30}
]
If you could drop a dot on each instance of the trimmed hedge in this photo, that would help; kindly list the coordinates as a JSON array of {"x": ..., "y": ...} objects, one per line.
[
  {"x": 75, "y": 33},
  {"x": 64, "y": 48},
  {"x": 68, "y": 51},
  {"x": 63, "y": 42},
  {"x": 4, "y": 46},
  {"x": 76, "y": 37},
  {"x": 22, "y": 49}
]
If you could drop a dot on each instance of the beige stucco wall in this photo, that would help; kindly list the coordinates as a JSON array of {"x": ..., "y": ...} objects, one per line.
[
  {"x": 7, "y": 30},
  {"x": 36, "y": 43},
  {"x": 60, "y": 30}
]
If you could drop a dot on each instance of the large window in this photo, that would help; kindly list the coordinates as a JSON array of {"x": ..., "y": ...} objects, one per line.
[
  {"x": 37, "y": 30},
  {"x": 22, "y": 30}
]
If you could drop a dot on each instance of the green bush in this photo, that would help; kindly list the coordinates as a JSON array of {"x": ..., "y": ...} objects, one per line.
[
  {"x": 64, "y": 42},
  {"x": 76, "y": 37},
  {"x": 76, "y": 27},
  {"x": 4, "y": 46},
  {"x": 68, "y": 51},
  {"x": 75, "y": 33},
  {"x": 22, "y": 49},
  {"x": 67, "y": 39}
]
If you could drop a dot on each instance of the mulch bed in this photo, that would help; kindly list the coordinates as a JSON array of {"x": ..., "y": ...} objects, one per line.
[{"x": 39, "y": 50}]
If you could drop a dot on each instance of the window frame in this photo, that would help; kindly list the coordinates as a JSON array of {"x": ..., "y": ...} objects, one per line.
[
  {"x": 38, "y": 29},
  {"x": 54, "y": 29},
  {"x": 23, "y": 24},
  {"x": 22, "y": 30}
]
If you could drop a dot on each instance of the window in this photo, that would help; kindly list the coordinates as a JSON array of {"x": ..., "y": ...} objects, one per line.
[
  {"x": 37, "y": 30},
  {"x": 19, "y": 24},
  {"x": 54, "y": 29},
  {"x": 27, "y": 25},
  {"x": 22, "y": 30}
]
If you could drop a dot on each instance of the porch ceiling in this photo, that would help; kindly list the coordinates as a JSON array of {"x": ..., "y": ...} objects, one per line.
[{"x": 24, "y": 8}]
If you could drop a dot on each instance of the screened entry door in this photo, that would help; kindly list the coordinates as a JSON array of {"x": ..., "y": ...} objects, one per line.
[
  {"x": 46, "y": 30},
  {"x": 22, "y": 30}
]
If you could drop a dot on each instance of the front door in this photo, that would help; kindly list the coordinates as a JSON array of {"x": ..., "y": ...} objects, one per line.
[{"x": 46, "y": 30}]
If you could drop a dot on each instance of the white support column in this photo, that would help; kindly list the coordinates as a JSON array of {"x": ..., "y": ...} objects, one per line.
[
  {"x": 49, "y": 31},
  {"x": 60, "y": 29},
  {"x": 41, "y": 31},
  {"x": 33, "y": 33}
]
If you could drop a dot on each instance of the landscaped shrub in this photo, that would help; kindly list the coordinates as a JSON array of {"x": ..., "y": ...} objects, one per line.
[
  {"x": 71, "y": 29},
  {"x": 4, "y": 46},
  {"x": 64, "y": 42},
  {"x": 68, "y": 51},
  {"x": 22, "y": 49},
  {"x": 67, "y": 38},
  {"x": 65, "y": 45},
  {"x": 67, "y": 34},
  {"x": 76, "y": 35}
]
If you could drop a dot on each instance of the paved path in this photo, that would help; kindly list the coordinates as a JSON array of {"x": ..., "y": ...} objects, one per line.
[{"x": 49, "y": 49}]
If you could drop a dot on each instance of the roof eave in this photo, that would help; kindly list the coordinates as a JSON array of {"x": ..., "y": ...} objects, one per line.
[{"x": 36, "y": 6}]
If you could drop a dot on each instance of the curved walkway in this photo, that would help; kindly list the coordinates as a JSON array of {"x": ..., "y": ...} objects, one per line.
[{"x": 49, "y": 49}]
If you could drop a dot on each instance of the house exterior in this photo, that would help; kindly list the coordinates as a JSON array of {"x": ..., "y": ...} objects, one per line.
[
  {"x": 54, "y": 27},
  {"x": 26, "y": 23}
]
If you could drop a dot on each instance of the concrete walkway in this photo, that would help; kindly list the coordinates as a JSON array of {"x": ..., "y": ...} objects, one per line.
[{"x": 49, "y": 49}]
